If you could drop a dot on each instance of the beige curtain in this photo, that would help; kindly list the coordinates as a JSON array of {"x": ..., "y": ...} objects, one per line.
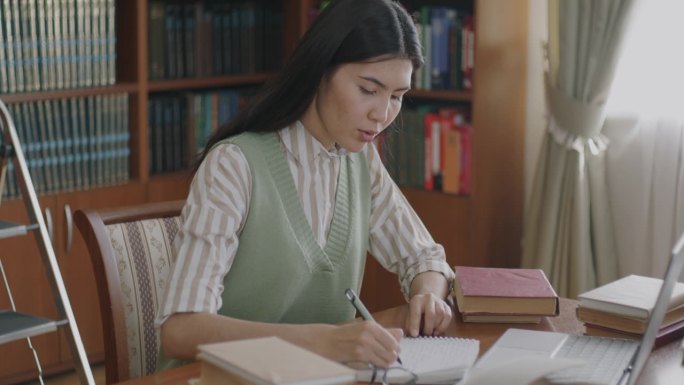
[
  {"x": 568, "y": 229},
  {"x": 645, "y": 178}
]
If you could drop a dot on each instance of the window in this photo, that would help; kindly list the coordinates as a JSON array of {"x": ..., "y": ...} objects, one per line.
[{"x": 650, "y": 75}]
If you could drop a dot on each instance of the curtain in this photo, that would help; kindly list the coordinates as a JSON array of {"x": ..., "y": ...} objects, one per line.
[
  {"x": 568, "y": 230},
  {"x": 645, "y": 176},
  {"x": 645, "y": 125}
]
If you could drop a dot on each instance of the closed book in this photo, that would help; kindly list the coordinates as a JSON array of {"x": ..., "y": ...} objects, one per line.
[
  {"x": 627, "y": 324},
  {"x": 630, "y": 296},
  {"x": 665, "y": 335},
  {"x": 504, "y": 291},
  {"x": 501, "y": 318},
  {"x": 268, "y": 361},
  {"x": 451, "y": 144}
]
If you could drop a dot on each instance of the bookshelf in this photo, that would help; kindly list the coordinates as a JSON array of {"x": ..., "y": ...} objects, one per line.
[{"x": 481, "y": 229}]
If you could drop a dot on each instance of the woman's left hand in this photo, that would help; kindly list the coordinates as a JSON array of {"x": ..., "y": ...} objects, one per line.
[{"x": 428, "y": 315}]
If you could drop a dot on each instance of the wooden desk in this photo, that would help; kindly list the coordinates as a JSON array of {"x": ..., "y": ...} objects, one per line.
[{"x": 665, "y": 366}]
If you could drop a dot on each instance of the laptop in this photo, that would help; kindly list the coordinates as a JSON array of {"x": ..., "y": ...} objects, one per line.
[{"x": 606, "y": 360}]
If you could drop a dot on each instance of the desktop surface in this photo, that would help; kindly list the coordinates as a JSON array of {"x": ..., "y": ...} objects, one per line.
[{"x": 665, "y": 365}]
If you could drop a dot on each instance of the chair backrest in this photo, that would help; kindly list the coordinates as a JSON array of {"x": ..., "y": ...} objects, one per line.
[{"x": 131, "y": 250}]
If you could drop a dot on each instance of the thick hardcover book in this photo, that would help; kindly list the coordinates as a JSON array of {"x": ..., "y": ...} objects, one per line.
[
  {"x": 665, "y": 335},
  {"x": 501, "y": 318},
  {"x": 630, "y": 296},
  {"x": 504, "y": 291},
  {"x": 627, "y": 324},
  {"x": 156, "y": 39},
  {"x": 268, "y": 361}
]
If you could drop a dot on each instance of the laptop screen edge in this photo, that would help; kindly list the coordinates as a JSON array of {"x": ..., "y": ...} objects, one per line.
[{"x": 673, "y": 271}]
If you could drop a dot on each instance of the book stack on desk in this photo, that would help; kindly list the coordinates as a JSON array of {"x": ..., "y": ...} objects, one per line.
[
  {"x": 620, "y": 309},
  {"x": 486, "y": 294}
]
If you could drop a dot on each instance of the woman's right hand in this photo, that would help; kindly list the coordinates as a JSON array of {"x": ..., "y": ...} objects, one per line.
[{"x": 364, "y": 341}]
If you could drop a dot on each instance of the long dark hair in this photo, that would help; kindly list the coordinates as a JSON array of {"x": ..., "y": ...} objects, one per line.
[{"x": 346, "y": 31}]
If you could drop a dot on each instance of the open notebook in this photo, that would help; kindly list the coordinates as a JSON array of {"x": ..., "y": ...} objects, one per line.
[
  {"x": 606, "y": 360},
  {"x": 433, "y": 360}
]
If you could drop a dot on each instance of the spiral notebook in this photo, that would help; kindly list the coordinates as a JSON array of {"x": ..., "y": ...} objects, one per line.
[{"x": 433, "y": 360}]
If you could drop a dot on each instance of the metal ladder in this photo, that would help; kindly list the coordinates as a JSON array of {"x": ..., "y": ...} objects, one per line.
[{"x": 15, "y": 325}]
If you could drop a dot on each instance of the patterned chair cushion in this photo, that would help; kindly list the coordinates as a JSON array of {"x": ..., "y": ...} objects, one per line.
[{"x": 143, "y": 252}]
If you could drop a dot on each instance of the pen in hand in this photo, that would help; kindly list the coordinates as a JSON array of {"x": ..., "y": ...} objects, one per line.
[{"x": 361, "y": 308}]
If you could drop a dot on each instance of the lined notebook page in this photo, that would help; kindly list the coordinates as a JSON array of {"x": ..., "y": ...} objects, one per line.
[{"x": 434, "y": 359}]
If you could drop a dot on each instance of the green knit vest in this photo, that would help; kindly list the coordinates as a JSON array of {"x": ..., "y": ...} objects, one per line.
[{"x": 280, "y": 273}]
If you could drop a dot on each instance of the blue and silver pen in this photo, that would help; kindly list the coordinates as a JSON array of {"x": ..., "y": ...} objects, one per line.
[{"x": 361, "y": 308}]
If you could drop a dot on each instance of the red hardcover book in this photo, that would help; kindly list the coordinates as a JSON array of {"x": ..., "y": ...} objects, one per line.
[
  {"x": 465, "y": 131},
  {"x": 432, "y": 127},
  {"x": 492, "y": 290},
  {"x": 451, "y": 149}
]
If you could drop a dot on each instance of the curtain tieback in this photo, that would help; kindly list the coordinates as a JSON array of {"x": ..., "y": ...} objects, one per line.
[{"x": 575, "y": 124}]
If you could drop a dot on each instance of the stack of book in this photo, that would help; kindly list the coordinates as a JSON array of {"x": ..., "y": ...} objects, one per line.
[
  {"x": 486, "y": 294},
  {"x": 621, "y": 309}
]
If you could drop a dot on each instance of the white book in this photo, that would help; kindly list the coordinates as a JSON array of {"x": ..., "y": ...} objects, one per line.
[
  {"x": 630, "y": 296},
  {"x": 268, "y": 361}
]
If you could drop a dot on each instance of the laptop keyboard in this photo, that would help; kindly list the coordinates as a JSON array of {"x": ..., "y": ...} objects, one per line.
[{"x": 605, "y": 360}]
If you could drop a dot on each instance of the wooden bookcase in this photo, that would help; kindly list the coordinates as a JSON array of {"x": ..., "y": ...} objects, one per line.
[{"x": 483, "y": 228}]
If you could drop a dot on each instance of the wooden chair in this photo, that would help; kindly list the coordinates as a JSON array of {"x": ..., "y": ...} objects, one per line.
[{"x": 131, "y": 251}]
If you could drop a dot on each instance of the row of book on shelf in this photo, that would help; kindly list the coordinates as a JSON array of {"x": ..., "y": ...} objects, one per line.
[
  {"x": 208, "y": 38},
  {"x": 180, "y": 125},
  {"x": 448, "y": 39},
  {"x": 72, "y": 143},
  {"x": 430, "y": 148},
  {"x": 447, "y": 35},
  {"x": 56, "y": 44}
]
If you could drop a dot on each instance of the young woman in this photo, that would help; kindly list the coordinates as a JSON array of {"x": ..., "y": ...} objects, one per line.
[{"x": 289, "y": 198}]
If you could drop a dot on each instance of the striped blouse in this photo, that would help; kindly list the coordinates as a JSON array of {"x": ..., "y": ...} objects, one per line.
[{"x": 219, "y": 198}]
